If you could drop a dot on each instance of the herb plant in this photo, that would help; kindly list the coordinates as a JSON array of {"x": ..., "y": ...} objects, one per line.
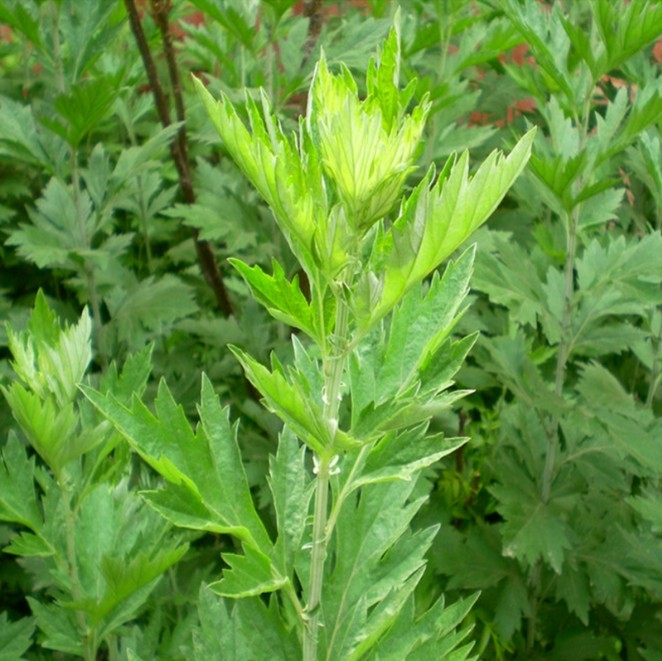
[{"x": 373, "y": 361}]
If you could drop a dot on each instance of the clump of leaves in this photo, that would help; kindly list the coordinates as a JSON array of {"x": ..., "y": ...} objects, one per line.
[
  {"x": 93, "y": 547},
  {"x": 571, "y": 358}
]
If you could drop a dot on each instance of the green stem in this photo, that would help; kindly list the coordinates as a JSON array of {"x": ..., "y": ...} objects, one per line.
[
  {"x": 347, "y": 488},
  {"x": 318, "y": 558},
  {"x": 562, "y": 356},
  {"x": 564, "y": 348},
  {"x": 88, "y": 637},
  {"x": 333, "y": 365}
]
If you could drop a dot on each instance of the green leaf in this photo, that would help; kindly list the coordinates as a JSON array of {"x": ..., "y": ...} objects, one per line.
[
  {"x": 289, "y": 484},
  {"x": 649, "y": 507},
  {"x": 627, "y": 425},
  {"x": 375, "y": 557},
  {"x": 249, "y": 575},
  {"x": 205, "y": 466},
  {"x": 543, "y": 31},
  {"x": 284, "y": 299},
  {"x": 50, "y": 428},
  {"x": 18, "y": 497},
  {"x": 28, "y": 545},
  {"x": 366, "y": 145},
  {"x": 58, "y": 626},
  {"x": 292, "y": 404},
  {"x": 238, "y": 25},
  {"x": 245, "y": 631},
  {"x": 20, "y": 137},
  {"x": 60, "y": 228},
  {"x": 51, "y": 360},
  {"x": 420, "y": 324},
  {"x": 290, "y": 183},
  {"x": 403, "y": 456},
  {"x": 626, "y": 30},
  {"x": 15, "y": 637},
  {"x": 511, "y": 276},
  {"x": 132, "y": 380},
  {"x": 150, "y": 305},
  {"x": 122, "y": 549},
  {"x": 572, "y": 586},
  {"x": 83, "y": 107},
  {"x": 533, "y": 530},
  {"x": 433, "y": 222},
  {"x": 434, "y": 629}
]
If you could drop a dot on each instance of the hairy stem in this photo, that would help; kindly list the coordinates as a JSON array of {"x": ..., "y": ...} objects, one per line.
[
  {"x": 581, "y": 120},
  {"x": 88, "y": 637},
  {"x": 318, "y": 558},
  {"x": 334, "y": 366}
]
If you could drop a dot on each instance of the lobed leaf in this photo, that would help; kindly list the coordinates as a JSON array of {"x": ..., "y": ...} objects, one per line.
[
  {"x": 283, "y": 299},
  {"x": 211, "y": 490},
  {"x": 433, "y": 222}
]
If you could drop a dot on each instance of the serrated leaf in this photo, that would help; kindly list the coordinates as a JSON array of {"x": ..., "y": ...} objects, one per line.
[
  {"x": 20, "y": 137},
  {"x": 28, "y": 545},
  {"x": 58, "y": 626},
  {"x": 15, "y": 637},
  {"x": 122, "y": 548},
  {"x": 18, "y": 497},
  {"x": 49, "y": 427},
  {"x": 420, "y": 324},
  {"x": 150, "y": 305},
  {"x": 83, "y": 107},
  {"x": 532, "y": 530},
  {"x": 625, "y": 32},
  {"x": 434, "y": 222},
  {"x": 435, "y": 628},
  {"x": 283, "y": 298},
  {"x": 293, "y": 188},
  {"x": 572, "y": 586},
  {"x": 359, "y": 579},
  {"x": 60, "y": 228},
  {"x": 649, "y": 507},
  {"x": 133, "y": 377},
  {"x": 292, "y": 405},
  {"x": 288, "y": 482},
  {"x": 402, "y": 456},
  {"x": 245, "y": 631},
  {"x": 249, "y": 575},
  {"x": 205, "y": 465},
  {"x": 543, "y": 31}
]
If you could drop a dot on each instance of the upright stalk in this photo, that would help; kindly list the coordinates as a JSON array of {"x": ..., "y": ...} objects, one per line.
[
  {"x": 334, "y": 366},
  {"x": 562, "y": 356},
  {"x": 88, "y": 636},
  {"x": 565, "y": 343}
]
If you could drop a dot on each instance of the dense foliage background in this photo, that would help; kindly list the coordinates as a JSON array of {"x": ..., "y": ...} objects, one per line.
[{"x": 115, "y": 194}]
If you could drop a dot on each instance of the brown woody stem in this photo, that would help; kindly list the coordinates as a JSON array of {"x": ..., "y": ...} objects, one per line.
[{"x": 179, "y": 147}]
